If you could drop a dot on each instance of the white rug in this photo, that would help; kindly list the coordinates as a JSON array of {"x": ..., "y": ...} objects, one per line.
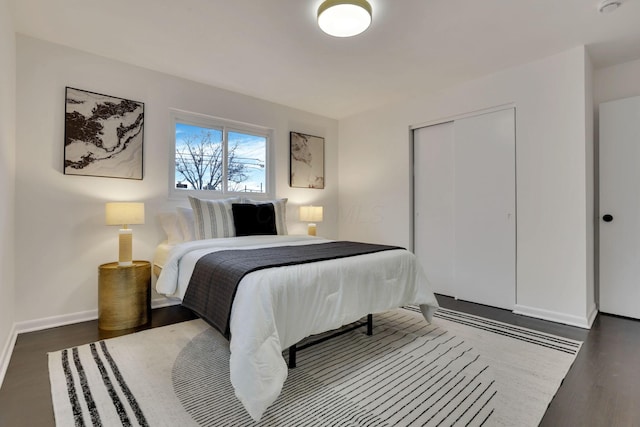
[{"x": 459, "y": 370}]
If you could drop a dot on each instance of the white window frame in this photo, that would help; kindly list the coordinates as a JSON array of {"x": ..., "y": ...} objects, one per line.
[{"x": 226, "y": 126}]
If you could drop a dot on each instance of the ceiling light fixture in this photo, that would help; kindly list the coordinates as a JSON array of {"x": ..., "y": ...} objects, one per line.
[
  {"x": 608, "y": 6},
  {"x": 344, "y": 18}
]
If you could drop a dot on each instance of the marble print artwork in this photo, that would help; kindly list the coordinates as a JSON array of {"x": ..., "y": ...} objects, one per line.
[
  {"x": 103, "y": 135},
  {"x": 307, "y": 161}
]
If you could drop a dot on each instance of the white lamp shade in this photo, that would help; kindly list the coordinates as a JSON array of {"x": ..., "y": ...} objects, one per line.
[
  {"x": 311, "y": 213},
  {"x": 344, "y": 18},
  {"x": 124, "y": 213}
]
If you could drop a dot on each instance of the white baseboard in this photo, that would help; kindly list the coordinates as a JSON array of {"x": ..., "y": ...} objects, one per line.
[
  {"x": 82, "y": 316},
  {"x": 7, "y": 350},
  {"x": 55, "y": 321},
  {"x": 592, "y": 315},
  {"x": 554, "y": 316}
]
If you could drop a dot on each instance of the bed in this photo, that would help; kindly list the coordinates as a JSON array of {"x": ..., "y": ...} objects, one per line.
[{"x": 275, "y": 308}]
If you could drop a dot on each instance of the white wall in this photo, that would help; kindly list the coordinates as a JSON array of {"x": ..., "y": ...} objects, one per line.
[
  {"x": 7, "y": 181},
  {"x": 61, "y": 236},
  {"x": 553, "y": 267},
  {"x": 616, "y": 82},
  {"x": 591, "y": 211}
]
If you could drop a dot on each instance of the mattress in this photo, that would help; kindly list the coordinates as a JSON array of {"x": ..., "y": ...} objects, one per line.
[{"x": 160, "y": 257}]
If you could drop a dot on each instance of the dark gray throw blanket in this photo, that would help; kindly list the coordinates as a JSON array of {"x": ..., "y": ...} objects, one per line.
[{"x": 215, "y": 277}]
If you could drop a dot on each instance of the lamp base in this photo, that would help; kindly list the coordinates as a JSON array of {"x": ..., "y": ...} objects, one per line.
[
  {"x": 311, "y": 229},
  {"x": 125, "y": 247}
]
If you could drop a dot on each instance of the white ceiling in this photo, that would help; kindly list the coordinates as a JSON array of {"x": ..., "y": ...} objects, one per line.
[{"x": 273, "y": 49}]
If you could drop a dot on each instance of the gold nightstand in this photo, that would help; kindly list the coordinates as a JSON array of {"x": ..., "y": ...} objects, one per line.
[{"x": 124, "y": 295}]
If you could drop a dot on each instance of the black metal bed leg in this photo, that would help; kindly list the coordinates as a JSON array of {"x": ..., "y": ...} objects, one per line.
[
  {"x": 292, "y": 356},
  {"x": 294, "y": 348}
]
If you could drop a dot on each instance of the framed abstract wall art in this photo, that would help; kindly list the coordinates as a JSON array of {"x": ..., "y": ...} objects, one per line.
[
  {"x": 307, "y": 161},
  {"x": 103, "y": 135}
]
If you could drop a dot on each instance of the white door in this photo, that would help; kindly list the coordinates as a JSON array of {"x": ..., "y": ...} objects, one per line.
[
  {"x": 485, "y": 203},
  {"x": 620, "y": 199},
  {"x": 464, "y": 207},
  {"x": 434, "y": 230}
]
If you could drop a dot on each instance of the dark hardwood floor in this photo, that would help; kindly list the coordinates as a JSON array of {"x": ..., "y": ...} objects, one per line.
[
  {"x": 601, "y": 389},
  {"x": 25, "y": 395}
]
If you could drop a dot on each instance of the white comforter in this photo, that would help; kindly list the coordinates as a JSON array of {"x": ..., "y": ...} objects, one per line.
[{"x": 275, "y": 308}]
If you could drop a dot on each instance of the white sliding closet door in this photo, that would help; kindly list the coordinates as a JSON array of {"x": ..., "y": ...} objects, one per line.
[
  {"x": 434, "y": 230},
  {"x": 464, "y": 204},
  {"x": 485, "y": 209}
]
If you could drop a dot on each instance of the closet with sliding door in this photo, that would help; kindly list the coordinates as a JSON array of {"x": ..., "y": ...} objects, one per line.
[{"x": 464, "y": 203}]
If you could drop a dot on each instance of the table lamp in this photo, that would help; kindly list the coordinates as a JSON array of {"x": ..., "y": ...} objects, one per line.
[
  {"x": 311, "y": 214},
  {"x": 124, "y": 214}
]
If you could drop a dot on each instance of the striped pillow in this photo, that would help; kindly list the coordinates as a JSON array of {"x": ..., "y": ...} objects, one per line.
[
  {"x": 213, "y": 218},
  {"x": 280, "y": 206}
]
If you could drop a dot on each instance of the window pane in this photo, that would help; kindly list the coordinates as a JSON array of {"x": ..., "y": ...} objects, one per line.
[
  {"x": 247, "y": 158},
  {"x": 198, "y": 157}
]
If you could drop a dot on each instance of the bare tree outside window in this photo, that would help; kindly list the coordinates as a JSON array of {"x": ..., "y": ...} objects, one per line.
[
  {"x": 249, "y": 153},
  {"x": 199, "y": 160}
]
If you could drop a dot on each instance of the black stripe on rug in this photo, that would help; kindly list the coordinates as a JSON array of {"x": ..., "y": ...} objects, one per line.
[
  {"x": 484, "y": 405},
  {"x": 521, "y": 334},
  {"x": 505, "y": 333},
  {"x": 123, "y": 386},
  {"x": 117, "y": 403},
  {"x": 469, "y": 389},
  {"x": 86, "y": 390},
  {"x": 525, "y": 331},
  {"x": 71, "y": 390}
]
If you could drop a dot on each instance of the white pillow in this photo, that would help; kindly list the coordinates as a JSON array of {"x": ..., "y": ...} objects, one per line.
[
  {"x": 280, "y": 207},
  {"x": 213, "y": 218},
  {"x": 186, "y": 223},
  {"x": 169, "y": 223}
]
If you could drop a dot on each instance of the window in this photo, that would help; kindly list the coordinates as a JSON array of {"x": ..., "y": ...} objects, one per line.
[{"x": 216, "y": 156}]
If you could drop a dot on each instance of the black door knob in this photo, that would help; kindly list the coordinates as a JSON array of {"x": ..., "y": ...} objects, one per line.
[{"x": 607, "y": 218}]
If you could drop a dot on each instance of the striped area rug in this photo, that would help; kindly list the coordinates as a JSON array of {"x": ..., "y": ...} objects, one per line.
[{"x": 458, "y": 370}]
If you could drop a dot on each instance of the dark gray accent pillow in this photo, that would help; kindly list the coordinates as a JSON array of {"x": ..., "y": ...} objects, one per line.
[{"x": 252, "y": 220}]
